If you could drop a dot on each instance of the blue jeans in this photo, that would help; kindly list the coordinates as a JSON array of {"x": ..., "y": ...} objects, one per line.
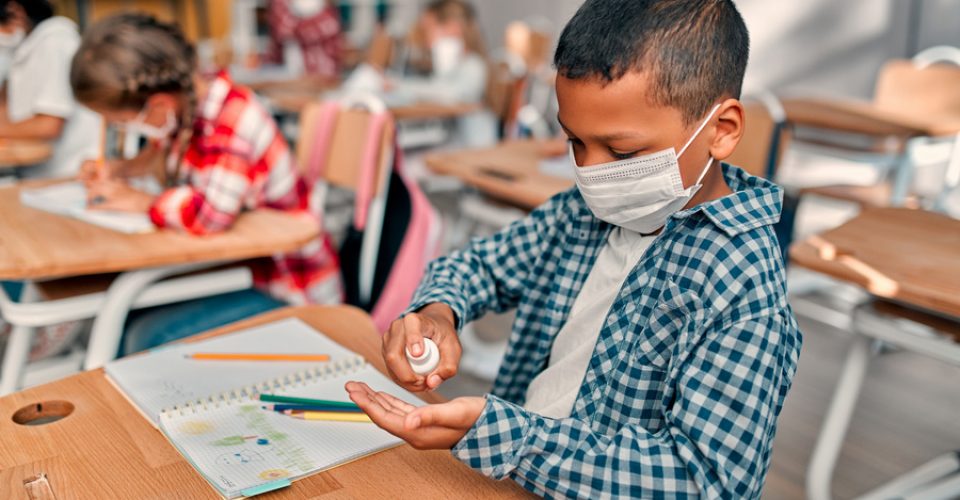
[{"x": 153, "y": 326}]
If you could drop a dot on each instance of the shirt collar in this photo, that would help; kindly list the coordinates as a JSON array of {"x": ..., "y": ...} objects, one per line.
[{"x": 755, "y": 202}]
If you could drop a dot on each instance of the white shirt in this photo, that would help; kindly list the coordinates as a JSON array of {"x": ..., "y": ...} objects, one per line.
[
  {"x": 553, "y": 392},
  {"x": 39, "y": 84}
]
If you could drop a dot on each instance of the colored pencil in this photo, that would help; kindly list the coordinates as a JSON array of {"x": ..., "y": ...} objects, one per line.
[
  {"x": 274, "y": 398},
  {"x": 227, "y": 356},
  {"x": 331, "y": 416},
  {"x": 285, "y": 407}
]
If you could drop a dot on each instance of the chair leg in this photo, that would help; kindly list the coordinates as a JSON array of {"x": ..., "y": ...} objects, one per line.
[
  {"x": 837, "y": 419},
  {"x": 920, "y": 479},
  {"x": 18, "y": 348}
]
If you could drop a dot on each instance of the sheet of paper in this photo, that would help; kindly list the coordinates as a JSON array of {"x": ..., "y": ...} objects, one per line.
[
  {"x": 558, "y": 166},
  {"x": 166, "y": 377},
  {"x": 70, "y": 199},
  {"x": 240, "y": 446}
]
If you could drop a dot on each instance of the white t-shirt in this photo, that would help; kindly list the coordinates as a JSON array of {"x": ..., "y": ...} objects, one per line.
[
  {"x": 553, "y": 391},
  {"x": 39, "y": 84}
]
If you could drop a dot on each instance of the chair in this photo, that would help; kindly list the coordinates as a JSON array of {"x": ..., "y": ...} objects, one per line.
[
  {"x": 394, "y": 231},
  {"x": 915, "y": 102}
]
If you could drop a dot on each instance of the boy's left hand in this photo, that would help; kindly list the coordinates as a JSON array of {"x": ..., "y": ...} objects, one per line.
[
  {"x": 113, "y": 194},
  {"x": 436, "y": 426}
]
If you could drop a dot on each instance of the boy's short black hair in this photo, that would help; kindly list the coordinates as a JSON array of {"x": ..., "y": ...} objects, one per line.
[
  {"x": 694, "y": 50},
  {"x": 36, "y": 10}
]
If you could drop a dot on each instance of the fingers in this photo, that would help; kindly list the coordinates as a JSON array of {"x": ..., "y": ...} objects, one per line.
[
  {"x": 394, "y": 343},
  {"x": 449, "y": 346}
]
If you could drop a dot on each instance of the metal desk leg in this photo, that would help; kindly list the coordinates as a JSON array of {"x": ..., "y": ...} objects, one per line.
[
  {"x": 830, "y": 440},
  {"x": 18, "y": 347},
  {"x": 108, "y": 325}
]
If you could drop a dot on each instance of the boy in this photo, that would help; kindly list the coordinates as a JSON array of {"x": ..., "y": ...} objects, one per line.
[{"x": 653, "y": 346}]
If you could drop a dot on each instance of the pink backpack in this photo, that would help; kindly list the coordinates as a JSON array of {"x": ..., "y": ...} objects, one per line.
[{"x": 395, "y": 231}]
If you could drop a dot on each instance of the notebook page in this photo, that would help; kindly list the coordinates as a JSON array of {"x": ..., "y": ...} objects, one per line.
[
  {"x": 165, "y": 377},
  {"x": 70, "y": 199},
  {"x": 223, "y": 442}
]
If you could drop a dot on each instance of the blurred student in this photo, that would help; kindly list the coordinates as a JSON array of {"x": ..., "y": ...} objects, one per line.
[
  {"x": 37, "y": 102},
  {"x": 458, "y": 72},
  {"x": 306, "y": 34},
  {"x": 222, "y": 154},
  {"x": 653, "y": 346}
]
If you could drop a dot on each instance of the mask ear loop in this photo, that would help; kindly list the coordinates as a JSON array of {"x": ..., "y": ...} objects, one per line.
[{"x": 702, "y": 126}]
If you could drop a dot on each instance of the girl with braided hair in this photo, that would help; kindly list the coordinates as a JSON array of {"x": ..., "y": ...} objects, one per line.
[{"x": 219, "y": 153}]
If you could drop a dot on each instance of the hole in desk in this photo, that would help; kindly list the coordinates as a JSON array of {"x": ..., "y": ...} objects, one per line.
[{"x": 43, "y": 413}]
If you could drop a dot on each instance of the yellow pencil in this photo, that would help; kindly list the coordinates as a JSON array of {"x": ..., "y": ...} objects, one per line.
[
  {"x": 102, "y": 161},
  {"x": 332, "y": 416},
  {"x": 227, "y": 356}
]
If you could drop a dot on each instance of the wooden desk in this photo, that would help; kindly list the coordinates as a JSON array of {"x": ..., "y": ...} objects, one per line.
[
  {"x": 509, "y": 172},
  {"x": 909, "y": 256},
  {"x": 106, "y": 449},
  {"x": 291, "y": 102},
  {"x": 39, "y": 245},
  {"x": 19, "y": 153},
  {"x": 865, "y": 118}
]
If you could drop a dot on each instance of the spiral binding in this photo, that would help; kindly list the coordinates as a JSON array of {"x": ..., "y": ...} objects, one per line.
[{"x": 252, "y": 392}]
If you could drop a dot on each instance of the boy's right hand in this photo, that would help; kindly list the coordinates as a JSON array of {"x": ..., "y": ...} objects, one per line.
[{"x": 434, "y": 321}]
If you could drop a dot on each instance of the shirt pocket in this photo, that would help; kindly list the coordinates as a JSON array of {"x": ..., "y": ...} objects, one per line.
[{"x": 674, "y": 319}]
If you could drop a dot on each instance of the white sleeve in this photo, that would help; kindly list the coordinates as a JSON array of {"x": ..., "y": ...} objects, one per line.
[
  {"x": 464, "y": 86},
  {"x": 43, "y": 77}
]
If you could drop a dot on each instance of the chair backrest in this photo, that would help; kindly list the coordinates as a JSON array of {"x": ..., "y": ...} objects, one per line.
[
  {"x": 529, "y": 44},
  {"x": 338, "y": 150},
  {"x": 380, "y": 51},
  {"x": 906, "y": 88},
  {"x": 764, "y": 137}
]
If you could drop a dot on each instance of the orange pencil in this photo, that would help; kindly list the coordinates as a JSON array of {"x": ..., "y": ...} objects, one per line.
[{"x": 226, "y": 356}]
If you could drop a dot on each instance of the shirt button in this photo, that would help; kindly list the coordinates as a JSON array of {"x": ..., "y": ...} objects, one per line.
[{"x": 611, "y": 319}]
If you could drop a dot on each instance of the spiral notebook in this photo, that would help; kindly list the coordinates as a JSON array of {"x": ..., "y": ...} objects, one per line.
[{"x": 210, "y": 412}]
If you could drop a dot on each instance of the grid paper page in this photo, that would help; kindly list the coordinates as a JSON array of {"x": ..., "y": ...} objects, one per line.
[
  {"x": 223, "y": 443},
  {"x": 165, "y": 377},
  {"x": 70, "y": 199}
]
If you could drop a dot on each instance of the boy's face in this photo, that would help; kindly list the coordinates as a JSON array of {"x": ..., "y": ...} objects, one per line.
[{"x": 613, "y": 121}]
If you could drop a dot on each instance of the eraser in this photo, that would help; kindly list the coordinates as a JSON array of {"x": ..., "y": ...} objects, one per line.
[{"x": 427, "y": 361}]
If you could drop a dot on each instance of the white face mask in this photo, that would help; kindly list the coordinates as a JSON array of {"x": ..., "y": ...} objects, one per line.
[
  {"x": 445, "y": 53},
  {"x": 639, "y": 193},
  {"x": 139, "y": 126},
  {"x": 11, "y": 40}
]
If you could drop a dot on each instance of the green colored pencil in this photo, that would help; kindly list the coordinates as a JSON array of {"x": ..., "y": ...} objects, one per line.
[{"x": 274, "y": 398}]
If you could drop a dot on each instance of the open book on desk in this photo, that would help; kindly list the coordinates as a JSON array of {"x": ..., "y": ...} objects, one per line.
[
  {"x": 209, "y": 410},
  {"x": 70, "y": 199}
]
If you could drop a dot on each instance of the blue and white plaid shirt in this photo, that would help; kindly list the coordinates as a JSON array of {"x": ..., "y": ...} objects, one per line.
[{"x": 689, "y": 373}]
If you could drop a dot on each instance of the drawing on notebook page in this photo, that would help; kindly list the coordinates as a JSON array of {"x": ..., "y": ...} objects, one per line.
[
  {"x": 232, "y": 440},
  {"x": 239, "y": 457},
  {"x": 196, "y": 427},
  {"x": 292, "y": 455},
  {"x": 274, "y": 474}
]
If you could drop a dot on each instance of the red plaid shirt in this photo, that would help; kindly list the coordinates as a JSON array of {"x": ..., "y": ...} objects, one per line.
[{"x": 237, "y": 160}]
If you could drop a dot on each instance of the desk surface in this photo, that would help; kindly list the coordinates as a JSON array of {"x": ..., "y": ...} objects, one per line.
[
  {"x": 19, "y": 153},
  {"x": 105, "y": 449},
  {"x": 35, "y": 244},
  {"x": 288, "y": 101},
  {"x": 509, "y": 172},
  {"x": 909, "y": 256},
  {"x": 865, "y": 118}
]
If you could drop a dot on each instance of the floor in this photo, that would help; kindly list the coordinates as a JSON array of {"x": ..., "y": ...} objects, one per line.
[{"x": 888, "y": 435}]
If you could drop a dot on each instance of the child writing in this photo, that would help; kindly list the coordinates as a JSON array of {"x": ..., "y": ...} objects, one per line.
[
  {"x": 458, "y": 72},
  {"x": 653, "y": 345},
  {"x": 38, "y": 103},
  {"x": 218, "y": 150}
]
